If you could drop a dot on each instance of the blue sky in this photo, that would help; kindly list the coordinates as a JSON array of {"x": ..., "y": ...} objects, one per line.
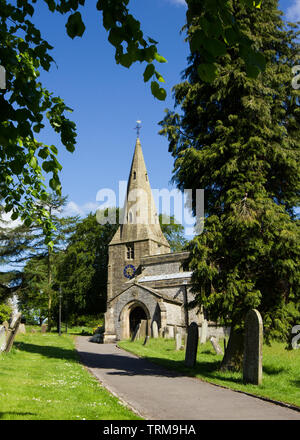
[{"x": 108, "y": 99}]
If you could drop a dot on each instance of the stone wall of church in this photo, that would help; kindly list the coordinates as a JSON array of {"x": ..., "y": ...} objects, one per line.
[
  {"x": 174, "y": 315},
  {"x": 135, "y": 294}
]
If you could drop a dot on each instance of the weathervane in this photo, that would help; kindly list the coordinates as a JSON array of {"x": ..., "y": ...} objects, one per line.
[{"x": 138, "y": 128}]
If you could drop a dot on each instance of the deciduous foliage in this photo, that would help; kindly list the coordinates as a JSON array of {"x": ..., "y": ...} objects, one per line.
[
  {"x": 82, "y": 270},
  {"x": 25, "y": 104},
  {"x": 173, "y": 231},
  {"x": 25, "y": 244},
  {"x": 238, "y": 139}
]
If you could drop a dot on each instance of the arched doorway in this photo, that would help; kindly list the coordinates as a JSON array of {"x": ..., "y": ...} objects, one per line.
[
  {"x": 132, "y": 313},
  {"x": 135, "y": 317}
]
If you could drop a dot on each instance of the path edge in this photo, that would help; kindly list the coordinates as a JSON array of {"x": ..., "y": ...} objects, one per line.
[
  {"x": 266, "y": 399},
  {"x": 107, "y": 387}
]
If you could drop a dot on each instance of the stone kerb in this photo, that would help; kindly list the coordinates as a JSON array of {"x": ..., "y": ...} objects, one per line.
[
  {"x": 252, "y": 362},
  {"x": 191, "y": 345}
]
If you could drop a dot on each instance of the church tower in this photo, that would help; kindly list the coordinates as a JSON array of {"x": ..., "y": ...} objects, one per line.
[{"x": 139, "y": 233}]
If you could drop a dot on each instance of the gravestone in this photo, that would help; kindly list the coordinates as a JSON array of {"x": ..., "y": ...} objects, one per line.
[
  {"x": 22, "y": 329},
  {"x": 135, "y": 334},
  {"x": 216, "y": 345},
  {"x": 169, "y": 332},
  {"x": 175, "y": 331},
  {"x": 44, "y": 328},
  {"x": 252, "y": 362},
  {"x": 191, "y": 345},
  {"x": 2, "y": 338},
  {"x": 12, "y": 331},
  {"x": 6, "y": 325},
  {"x": 143, "y": 328},
  {"x": 178, "y": 340},
  {"x": 203, "y": 335},
  {"x": 154, "y": 329}
]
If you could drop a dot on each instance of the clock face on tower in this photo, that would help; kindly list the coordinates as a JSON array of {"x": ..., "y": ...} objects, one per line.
[{"x": 129, "y": 271}]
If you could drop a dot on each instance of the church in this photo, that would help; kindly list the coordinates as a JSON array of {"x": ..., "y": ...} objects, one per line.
[{"x": 146, "y": 281}]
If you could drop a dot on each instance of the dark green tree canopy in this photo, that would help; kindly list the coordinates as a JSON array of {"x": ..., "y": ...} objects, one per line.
[
  {"x": 25, "y": 105},
  {"x": 238, "y": 139}
]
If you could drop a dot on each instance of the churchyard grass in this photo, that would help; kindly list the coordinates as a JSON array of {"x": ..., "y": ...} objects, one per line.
[
  {"x": 42, "y": 379},
  {"x": 281, "y": 368}
]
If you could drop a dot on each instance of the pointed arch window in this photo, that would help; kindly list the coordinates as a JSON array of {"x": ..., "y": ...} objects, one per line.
[{"x": 134, "y": 175}]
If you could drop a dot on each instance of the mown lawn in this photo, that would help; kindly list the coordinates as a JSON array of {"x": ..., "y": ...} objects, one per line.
[
  {"x": 281, "y": 368},
  {"x": 42, "y": 379}
]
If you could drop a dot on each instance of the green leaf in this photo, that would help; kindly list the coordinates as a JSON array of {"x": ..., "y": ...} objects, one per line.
[
  {"x": 157, "y": 91},
  {"x": 75, "y": 26},
  {"x": 252, "y": 71},
  {"x": 215, "y": 47},
  {"x": 207, "y": 72},
  {"x": 33, "y": 162},
  {"x": 159, "y": 58},
  {"x": 149, "y": 71},
  {"x": 159, "y": 77}
]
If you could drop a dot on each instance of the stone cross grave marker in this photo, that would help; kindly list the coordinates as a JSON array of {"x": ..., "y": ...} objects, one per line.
[
  {"x": 154, "y": 329},
  {"x": 203, "y": 335},
  {"x": 216, "y": 345},
  {"x": 191, "y": 345},
  {"x": 252, "y": 362}
]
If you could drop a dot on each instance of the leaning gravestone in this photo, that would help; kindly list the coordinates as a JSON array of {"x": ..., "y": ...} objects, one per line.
[
  {"x": 136, "y": 332},
  {"x": 2, "y": 338},
  {"x": 12, "y": 331},
  {"x": 252, "y": 362},
  {"x": 216, "y": 345},
  {"x": 154, "y": 329},
  {"x": 178, "y": 340},
  {"x": 203, "y": 335},
  {"x": 191, "y": 345}
]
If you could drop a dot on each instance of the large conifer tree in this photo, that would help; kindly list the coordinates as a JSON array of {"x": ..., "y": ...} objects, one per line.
[{"x": 238, "y": 139}]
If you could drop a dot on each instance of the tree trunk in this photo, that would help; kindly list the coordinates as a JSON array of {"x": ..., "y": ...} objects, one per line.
[
  {"x": 233, "y": 357},
  {"x": 49, "y": 290}
]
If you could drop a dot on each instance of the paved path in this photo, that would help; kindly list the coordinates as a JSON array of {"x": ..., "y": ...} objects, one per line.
[{"x": 158, "y": 394}]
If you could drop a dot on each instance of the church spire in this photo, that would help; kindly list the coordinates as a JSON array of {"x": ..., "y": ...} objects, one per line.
[{"x": 140, "y": 221}]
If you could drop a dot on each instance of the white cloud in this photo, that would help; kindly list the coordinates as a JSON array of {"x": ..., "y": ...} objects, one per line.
[
  {"x": 178, "y": 2},
  {"x": 73, "y": 208},
  {"x": 8, "y": 222},
  {"x": 293, "y": 12}
]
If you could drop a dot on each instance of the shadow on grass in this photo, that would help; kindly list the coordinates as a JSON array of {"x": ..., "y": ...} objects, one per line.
[
  {"x": 48, "y": 351},
  {"x": 17, "y": 413},
  {"x": 272, "y": 370}
]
